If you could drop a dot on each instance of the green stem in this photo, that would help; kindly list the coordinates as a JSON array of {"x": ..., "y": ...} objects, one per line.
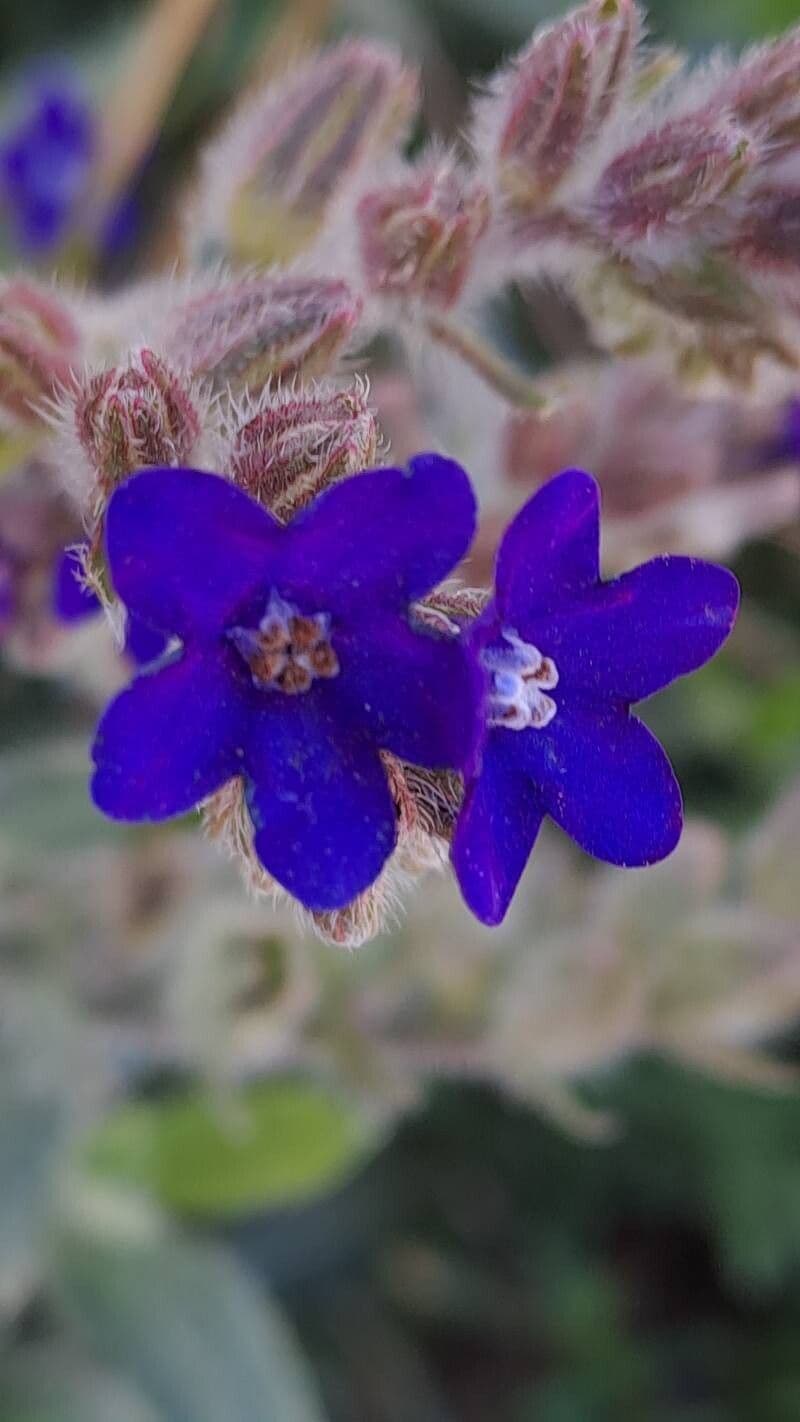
[{"x": 509, "y": 382}]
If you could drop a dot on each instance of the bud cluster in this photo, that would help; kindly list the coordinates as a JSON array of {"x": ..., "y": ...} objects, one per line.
[{"x": 691, "y": 219}]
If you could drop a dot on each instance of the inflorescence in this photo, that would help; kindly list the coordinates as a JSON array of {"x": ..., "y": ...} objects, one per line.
[{"x": 313, "y": 673}]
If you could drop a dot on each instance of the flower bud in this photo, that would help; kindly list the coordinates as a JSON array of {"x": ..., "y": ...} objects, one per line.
[
  {"x": 763, "y": 92},
  {"x": 673, "y": 178},
  {"x": 292, "y": 152},
  {"x": 300, "y": 442},
  {"x": 767, "y": 244},
  {"x": 131, "y": 416},
  {"x": 39, "y": 345},
  {"x": 417, "y": 236},
  {"x": 551, "y": 104},
  {"x": 245, "y": 333}
]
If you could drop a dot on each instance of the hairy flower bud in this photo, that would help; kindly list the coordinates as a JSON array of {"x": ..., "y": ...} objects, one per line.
[
  {"x": 417, "y": 236},
  {"x": 767, "y": 244},
  {"x": 673, "y": 178},
  {"x": 131, "y": 416},
  {"x": 297, "y": 442},
  {"x": 550, "y": 105},
  {"x": 763, "y": 92},
  {"x": 246, "y": 333},
  {"x": 39, "y": 345},
  {"x": 294, "y": 150}
]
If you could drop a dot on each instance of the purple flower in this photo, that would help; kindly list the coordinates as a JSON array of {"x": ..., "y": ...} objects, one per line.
[
  {"x": 45, "y": 163},
  {"x": 300, "y": 661},
  {"x": 73, "y": 602},
  {"x": 784, "y": 447},
  {"x": 566, "y": 656}
]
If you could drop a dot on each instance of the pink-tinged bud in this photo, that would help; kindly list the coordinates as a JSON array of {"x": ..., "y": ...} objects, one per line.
[
  {"x": 132, "y": 416},
  {"x": 764, "y": 92},
  {"x": 767, "y": 243},
  {"x": 300, "y": 442},
  {"x": 674, "y": 178},
  {"x": 291, "y": 153},
  {"x": 246, "y": 333},
  {"x": 39, "y": 345},
  {"x": 550, "y": 105},
  {"x": 417, "y": 236}
]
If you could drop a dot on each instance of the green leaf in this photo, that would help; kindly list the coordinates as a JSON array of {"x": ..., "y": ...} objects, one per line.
[
  {"x": 48, "y": 786},
  {"x": 50, "y": 1384},
  {"x": 279, "y": 1143},
  {"x": 183, "y": 1323}
]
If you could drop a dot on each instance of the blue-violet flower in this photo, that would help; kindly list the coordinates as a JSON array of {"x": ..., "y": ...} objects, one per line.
[
  {"x": 566, "y": 655},
  {"x": 300, "y": 660},
  {"x": 74, "y": 602}
]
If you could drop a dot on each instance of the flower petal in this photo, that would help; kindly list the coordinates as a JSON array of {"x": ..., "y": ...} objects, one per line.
[
  {"x": 630, "y": 637},
  {"x": 172, "y": 738},
  {"x": 551, "y": 549},
  {"x": 604, "y": 779},
  {"x": 389, "y": 534},
  {"x": 319, "y": 799},
  {"x": 187, "y": 549},
  {"x": 142, "y": 643},
  {"x": 495, "y": 832},
  {"x": 72, "y": 600},
  {"x": 419, "y": 695}
]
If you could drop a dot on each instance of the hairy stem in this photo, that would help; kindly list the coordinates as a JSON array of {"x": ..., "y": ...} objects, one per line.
[{"x": 509, "y": 382}]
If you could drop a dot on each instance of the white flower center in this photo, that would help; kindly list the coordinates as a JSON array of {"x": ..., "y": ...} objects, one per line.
[{"x": 520, "y": 680}]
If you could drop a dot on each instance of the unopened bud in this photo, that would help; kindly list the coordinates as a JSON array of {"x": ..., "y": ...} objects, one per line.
[
  {"x": 676, "y": 176},
  {"x": 768, "y": 241},
  {"x": 300, "y": 442},
  {"x": 764, "y": 92},
  {"x": 290, "y": 154},
  {"x": 39, "y": 345},
  {"x": 249, "y": 332},
  {"x": 418, "y": 236},
  {"x": 133, "y": 416},
  {"x": 551, "y": 104}
]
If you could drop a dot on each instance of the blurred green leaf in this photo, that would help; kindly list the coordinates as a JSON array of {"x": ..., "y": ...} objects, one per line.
[
  {"x": 281, "y": 1143},
  {"x": 185, "y": 1324},
  {"x": 47, "y": 783},
  {"x": 48, "y": 1384}
]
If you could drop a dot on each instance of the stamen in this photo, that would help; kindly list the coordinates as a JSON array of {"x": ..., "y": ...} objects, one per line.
[
  {"x": 287, "y": 651},
  {"x": 520, "y": 676}
]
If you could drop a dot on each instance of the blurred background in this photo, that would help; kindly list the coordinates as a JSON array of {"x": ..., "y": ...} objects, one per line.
[{"x": 546, "y": 1175}]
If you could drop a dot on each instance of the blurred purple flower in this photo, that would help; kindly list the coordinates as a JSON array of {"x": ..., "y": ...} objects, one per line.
[
  {"x": 45, "y": 161},
  {"x": 73, "y": 602},
  {"x": 560, "y": 739},
  {"x": 784, "y": 447},
  {"x": 8, "y": 599},
  {"x": 300, "y": 661}
]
